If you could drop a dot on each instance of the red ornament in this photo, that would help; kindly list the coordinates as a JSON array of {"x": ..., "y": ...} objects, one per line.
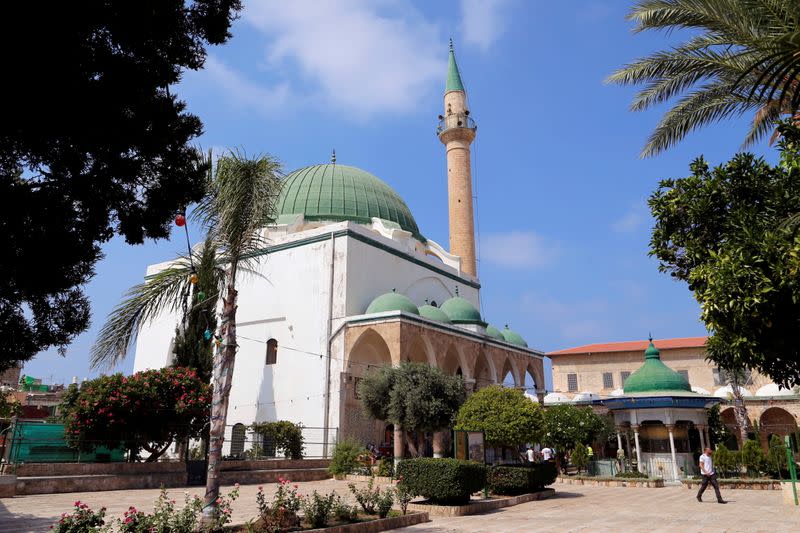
[{"x": 180, "y": 221}]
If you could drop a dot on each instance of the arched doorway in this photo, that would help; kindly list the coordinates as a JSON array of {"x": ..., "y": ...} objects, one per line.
[
  {"x": 484, "y": 373},
  {"x": 777, "y": 421},
  {"x": 369, "y": 353},
  {"x": 729, "y": 421}
]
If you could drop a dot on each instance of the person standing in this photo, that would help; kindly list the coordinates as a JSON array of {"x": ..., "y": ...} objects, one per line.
[
  {"x": 547, "y": 454},
  {"x": 709, "y": 476},
  {"x": 531, "y": 455}
]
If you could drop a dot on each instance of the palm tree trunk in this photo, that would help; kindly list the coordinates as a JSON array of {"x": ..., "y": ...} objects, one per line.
[
  {"x": 739, "y": 409},
  {"x": 224, "y": 359}
]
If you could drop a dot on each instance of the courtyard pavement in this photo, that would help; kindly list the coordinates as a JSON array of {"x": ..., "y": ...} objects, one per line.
[{"x": 574, "y": 508}]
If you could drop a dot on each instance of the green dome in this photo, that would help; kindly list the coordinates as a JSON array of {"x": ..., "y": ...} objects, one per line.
[
  {"x": 392, "y": 301},
  {"x": 341, "y": 192},
  {"x": 655, "y": 376},
  {"x": 493, "y": 332},
  {"x": 461, "y": 311},
  {"x": 434, "y": 313},
  {"x": 513, "y": 337}
]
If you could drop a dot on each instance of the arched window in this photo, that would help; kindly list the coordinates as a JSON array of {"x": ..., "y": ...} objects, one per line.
[
  {"x": 272, "y": 352},
  {"x": 237, "y": 439}
]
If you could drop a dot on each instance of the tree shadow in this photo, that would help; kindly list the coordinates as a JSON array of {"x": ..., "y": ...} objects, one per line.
[
  {"x": 560, "y": 494},
  {"x": 23, "y": 522}
]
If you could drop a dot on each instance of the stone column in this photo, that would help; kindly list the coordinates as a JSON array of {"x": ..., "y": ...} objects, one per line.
[
  {"x": 439, "y": 438},
  {"x": 619, "y": 440},
  {"x": 708, "y": 436},
  {"x": 638, "y": 448},
  {"x": 702, "y": 431},
  {"x": 670, "y": 429}
]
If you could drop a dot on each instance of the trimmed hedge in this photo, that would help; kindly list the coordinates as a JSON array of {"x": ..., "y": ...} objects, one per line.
[
  {"x": 513, "y": 480},
  {"x": 633, "y": 474},
  {"x": 442, "y": 481}
]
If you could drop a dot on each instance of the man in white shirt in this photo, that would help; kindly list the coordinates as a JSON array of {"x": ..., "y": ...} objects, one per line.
[
  {"x": 709, "y": 476},
  {"x": 531, "y": 455},
  {"x": 547, "y": 454}
]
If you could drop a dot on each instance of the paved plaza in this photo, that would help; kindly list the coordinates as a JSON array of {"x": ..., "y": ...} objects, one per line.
[{"x": 574, "y": 508}]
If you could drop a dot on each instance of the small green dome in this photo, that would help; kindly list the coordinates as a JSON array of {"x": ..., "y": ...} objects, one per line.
[
  {"x": 494, "y": 333},
  {"x": 434, "y": 313},
  {"x": 392, "y": 301},
  {"x": 340, "y": 192},
  {"x": 461, "y": 311},
  {"x": 655, "y": 376},
  {"x": 513, "y": 337}
]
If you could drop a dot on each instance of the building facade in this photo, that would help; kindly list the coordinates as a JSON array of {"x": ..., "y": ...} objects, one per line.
[
  {"x": 348, "y": 283},
  {"x": 599, "y": 371}
]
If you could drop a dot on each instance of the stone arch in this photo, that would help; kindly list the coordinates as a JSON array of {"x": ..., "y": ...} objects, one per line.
[
  {"x": 776, "y": 421},
  {"x": 728, "y": 418},
  {"x": 484, "y": 372},
  {"x": 369, "y": 350},
  {"x": 510, "y": 369},
  {"x": 420, "y": 351},
  {"x": 530, "y": 381},
  {"x": 453, "y": 362}
]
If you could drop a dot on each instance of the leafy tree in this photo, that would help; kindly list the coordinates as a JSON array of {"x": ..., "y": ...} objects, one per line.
[
  {"x": 717, "y": 431},
  {"x": 505, "y": 415},
  {"x": 741, "y": 56},
  {"x": 146, "y": 411},
  {"x": 752, "y": 457},
  {"x": 723, "y": 460},
  {"x": 566, "y": 426},
  {"x": 776, "y": 457},
  {"x": 580, "y": 457},
  {"x": 9, "y": 406},
  {"x": 415, "y": 397},
  {"x": 95, "y": 145},
  {"x": 344, "y": 459},
  {"x": 281, "y": 435},
  {"x": 724, "y": 232}
]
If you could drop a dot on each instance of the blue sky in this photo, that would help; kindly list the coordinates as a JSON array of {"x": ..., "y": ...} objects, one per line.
[{"x": 561, "y": 211}]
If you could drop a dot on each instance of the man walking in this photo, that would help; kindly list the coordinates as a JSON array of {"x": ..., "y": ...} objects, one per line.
[{"x": 709, "y": 476}]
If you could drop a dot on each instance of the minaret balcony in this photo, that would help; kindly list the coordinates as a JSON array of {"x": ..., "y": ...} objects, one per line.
[{"x": 455, "y": 120}]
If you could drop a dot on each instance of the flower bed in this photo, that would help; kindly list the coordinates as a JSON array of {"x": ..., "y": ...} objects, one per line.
[
  {"x": 607, "y": 481},
  {"x": 738, "y": 483},
  {"x": 366, "y": 524}
]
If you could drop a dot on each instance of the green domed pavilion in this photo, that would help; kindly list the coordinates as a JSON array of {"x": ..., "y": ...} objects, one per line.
[{"x": 654, "y": 376}]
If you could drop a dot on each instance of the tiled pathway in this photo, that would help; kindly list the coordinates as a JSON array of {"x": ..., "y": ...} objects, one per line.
[{"x": 575, "y": 508}]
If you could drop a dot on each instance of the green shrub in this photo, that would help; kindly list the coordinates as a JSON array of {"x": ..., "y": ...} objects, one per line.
[
  {"x": 752, "y": 457},
  {"x": 511, "y": 480},
  {"x": 282, "y": 435},
  {"x": 82, "y": 519},
  {"x": 386, "y": 467},
  {"x": 776, "y": 458},
  {"x": 508, "y": 480},
  {"x": 367, "y": 497},
  {"x": 343, "y": 511},
  {"x": 404, "y": 495},
  {"x": 443, "y": 481},
  {"x": 579, "y": 457},
  {"x": 384, "y": 502},
  {"x": 632, "y": 475},
  {"x": 317, "y": 508},
  {"x": 344, "y": 458}
]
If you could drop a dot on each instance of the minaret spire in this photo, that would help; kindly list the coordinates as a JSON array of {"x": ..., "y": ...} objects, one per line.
[{"x": 457, "y": 131}]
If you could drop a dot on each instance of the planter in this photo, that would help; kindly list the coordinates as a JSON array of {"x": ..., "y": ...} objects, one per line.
[
  {"x": 370, "y": 526},
  {"x": 378, "y": 479},
  {"x": 8, "y": 486},
  {"x": 479, "y": 506},
  {"x": 745, "y": 484},
  {"x": 612, "y": 482}
]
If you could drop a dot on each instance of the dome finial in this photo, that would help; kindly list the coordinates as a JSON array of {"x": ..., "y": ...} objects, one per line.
[
  {"x": 456, "y": 290},
  {"x": 333, "y": 156},
  {"x": 451, "y": 44},
  {"x": 650, "y": 336}
]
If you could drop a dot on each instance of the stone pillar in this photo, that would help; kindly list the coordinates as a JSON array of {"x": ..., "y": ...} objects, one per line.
[
  {"x": 708, "y": 436},
  {"x": 638, "y": 448},
  {"x": 702, "y": 431},
  {"x": 670, "y": 429},
  {"x": 619, "y": 440},
  {"x": 439, "y": 438}
]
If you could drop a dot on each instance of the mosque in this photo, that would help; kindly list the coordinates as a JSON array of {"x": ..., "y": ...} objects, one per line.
[{"x": 349, "y": 283}]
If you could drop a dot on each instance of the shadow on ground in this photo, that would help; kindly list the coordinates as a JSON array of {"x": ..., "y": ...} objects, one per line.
[{"x": 9, "y": 522}]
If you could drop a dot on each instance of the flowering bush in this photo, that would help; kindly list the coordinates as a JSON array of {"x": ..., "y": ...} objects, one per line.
[
  {"x": 165, "y": 517},
  {"x": 343, "y": 511},
  {"x": 223, "y": 511},
  {"x": 148, "y": 410},
  {"x": 281, "y": 513},
  {"x": 384, "y": 502},
  {"x": 82, "y": 520},
  {"x": 317, "y": 508},
  {"x": 404, "y": 495}
]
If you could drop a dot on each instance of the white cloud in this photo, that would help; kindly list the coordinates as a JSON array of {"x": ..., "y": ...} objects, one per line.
[
  {"x": 361, "y": 56},
  {"x": 633, "y": 220},
  {"x": 244, "y": 93},
  {"x": 517, "y": 249},
  {"x": 483, "y": 21}
]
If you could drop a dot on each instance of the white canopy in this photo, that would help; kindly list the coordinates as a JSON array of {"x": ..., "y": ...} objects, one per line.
[
  {"x": 555, "y": 397},
  {"x": 727, "y": 392},
  {"x": 701, "y": 390},
  {"x": 773, "y": 389}
]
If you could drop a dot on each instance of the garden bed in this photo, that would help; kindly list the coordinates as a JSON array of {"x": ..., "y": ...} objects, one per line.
[
  {"x": 384, "y": 480},
  {"x": 738, "y": 483},
  {"x": 479, "y": 506},
  {"x": 651, "y": 483},
  {"x": 366, "y": 525}
]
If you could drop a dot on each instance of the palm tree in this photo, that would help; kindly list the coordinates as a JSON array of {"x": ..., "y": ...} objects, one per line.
[
  {"x": 743, "y": 57},
  {"x": 239, "y": 203}
]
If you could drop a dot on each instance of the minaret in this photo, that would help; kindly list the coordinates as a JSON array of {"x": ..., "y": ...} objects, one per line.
[{"x": 457, "y": 131}]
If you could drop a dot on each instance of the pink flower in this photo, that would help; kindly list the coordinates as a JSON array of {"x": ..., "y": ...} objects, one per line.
[
  {"x": 236, "y": 485},
  {"x": 260, "y": 487},
  {"x": 219, "y": 500},
  {"x": 77, "y": 503}
]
